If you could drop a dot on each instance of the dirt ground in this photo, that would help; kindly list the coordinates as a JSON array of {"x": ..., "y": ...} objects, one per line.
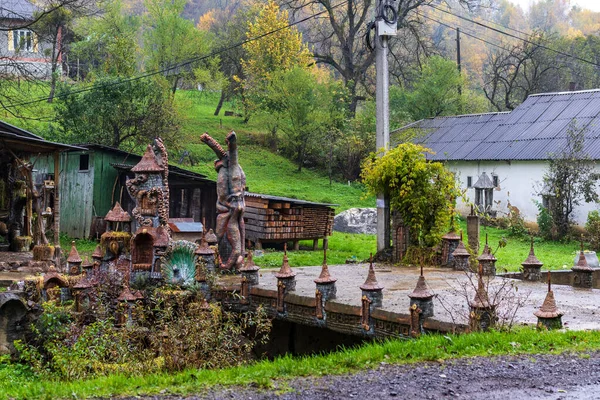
[{"x": 569, "y": 376}]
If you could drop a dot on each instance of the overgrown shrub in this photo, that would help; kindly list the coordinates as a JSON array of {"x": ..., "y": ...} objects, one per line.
[
  {"x": 592, "y": 226},
  {"x": 545, "y": 222},
  {"x": 170, "y": 330}
]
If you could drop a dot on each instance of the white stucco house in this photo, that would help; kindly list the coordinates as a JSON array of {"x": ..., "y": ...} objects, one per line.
[{"x": 507, "y": 152}]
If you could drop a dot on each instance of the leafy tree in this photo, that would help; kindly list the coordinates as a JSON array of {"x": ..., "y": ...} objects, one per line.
[
  {"x": 300, "y": 104},
  {"x": 439, "y": 90},
  {"x": 423, "y": 192},
  {"x": 570, "y": 180},
  {"x": 57, "y": 26},
  {"x": 115, "y": 111},
  {"x": 170, "y": 39},
  {"x": 271, "y": 55},
  {"x": 338, "y": 38},
  {"x": 108, "y": 44}
]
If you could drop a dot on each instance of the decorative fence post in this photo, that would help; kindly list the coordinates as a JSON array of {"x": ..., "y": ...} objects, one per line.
[
  {"x": 326, "y": 289},
  {"x": 372, "y": 297}
]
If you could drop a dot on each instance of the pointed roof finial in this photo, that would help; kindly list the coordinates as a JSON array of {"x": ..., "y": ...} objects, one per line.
[
  {"x": 74, "y": 255},
  {"x": 371, "y": 281},
  {"x": 421, "y": 290},
  {"x": 249, "y": 265},
  {"x": 481, "y": 299},
  {"x": 548, "y": 308},
  {"x": 582, "y": 264},
  {"x": 549, "y": 281},
  {"x": 325, "y": 277},
  {"x": 285, "y": 271}
]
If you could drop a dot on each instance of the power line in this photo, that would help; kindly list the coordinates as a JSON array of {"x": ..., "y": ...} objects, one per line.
[
  {"x": 516, "y": 37},
  {"x": 464, "y": 32},
  {"x": 182, "y": 64}
]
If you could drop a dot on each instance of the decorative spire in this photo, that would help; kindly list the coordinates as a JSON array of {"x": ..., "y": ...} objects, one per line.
[
  {"x": 97, "y": 253},
  {"x": 582, "y": 264},
  {"x": 148, "y": 162},
  {"x": 548, "y": 308},
  {"x": 286, "y": 270},
  {"x": 117, "y": 214},
  {"x": 249, "y": 265},
  {"x": 532, "y": 259},
  {"x": 421, "y": 290},
  {"x": 371, "y": 281},
  {"x": 486, "y": 254},
  {"x": 481, "y": 299},
  {"x": 325, "y": 277},
  {"x": 74, "y": 255},
  {"x": 126, "y": 295},
  {"x": 204, "y": 249}
]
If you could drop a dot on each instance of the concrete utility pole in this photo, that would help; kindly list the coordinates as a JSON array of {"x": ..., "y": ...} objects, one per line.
[
  {"x": 458, "y": 64},
  {"x": 384, "y": 28}
]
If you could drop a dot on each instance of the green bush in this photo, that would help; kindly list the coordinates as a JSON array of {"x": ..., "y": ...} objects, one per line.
[
  {"x": 592, "y": 226},
  {"x": 545, "y": 222}
]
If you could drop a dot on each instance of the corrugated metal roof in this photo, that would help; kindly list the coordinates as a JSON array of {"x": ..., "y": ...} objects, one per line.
[{"x": 533, "y": 131}]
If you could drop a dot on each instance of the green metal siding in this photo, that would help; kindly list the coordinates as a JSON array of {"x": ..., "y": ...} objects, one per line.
[{"x": 107, "y": 189}]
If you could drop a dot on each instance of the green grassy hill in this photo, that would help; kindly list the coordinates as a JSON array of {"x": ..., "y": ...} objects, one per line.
[{"x": 266, "y": 172}]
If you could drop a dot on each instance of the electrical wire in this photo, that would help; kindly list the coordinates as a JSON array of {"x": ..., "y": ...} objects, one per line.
[
  {"x": 179, "y": 65},
  {"x": 463, "y": 31},
  {"x": 562, "y": 53}
]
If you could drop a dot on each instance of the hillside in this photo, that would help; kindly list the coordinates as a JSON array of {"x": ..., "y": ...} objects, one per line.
[{"x": 266, "y": 172}]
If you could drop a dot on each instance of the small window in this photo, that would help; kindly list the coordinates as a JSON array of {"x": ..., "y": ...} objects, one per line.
[
  {"x": 84, "y": 162},
  {"x": 23, "y": 40},
  {"x": 495, "y": 180},
  {"x": 469, "y": 181}
]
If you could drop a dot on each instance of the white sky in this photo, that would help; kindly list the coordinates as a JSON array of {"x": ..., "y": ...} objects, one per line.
[{"x": 593, "y": 5}]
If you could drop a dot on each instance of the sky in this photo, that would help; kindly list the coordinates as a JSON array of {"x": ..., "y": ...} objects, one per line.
[{"x": 593, "y": 5}]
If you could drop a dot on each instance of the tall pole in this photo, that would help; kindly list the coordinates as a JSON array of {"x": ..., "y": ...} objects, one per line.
[
  {"x": 382, "y": 129},
  {"x": 458, "y": 56}
]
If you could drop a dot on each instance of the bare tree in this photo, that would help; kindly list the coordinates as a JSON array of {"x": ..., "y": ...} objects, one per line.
[
  {"x": 337, "y": 38},
  {"x": 517, "y": 71}
]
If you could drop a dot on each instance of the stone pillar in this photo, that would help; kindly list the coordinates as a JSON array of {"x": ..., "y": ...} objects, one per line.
[
  {"x": 582, "y": 272},
  {"x": 372, "y": 297},
  {"x": 74, "y": 261},
  {"x": 421, "y": 305},
  {"x": 473, "y": 231},
  {"x": 482, "y": 314},
  {"x": 205, "y": 265},
  {"x": 461, "y": 256},
  {"x": 250, "y": 270},
  {"x": 286, "y": 281},
  {"x": 326, "y": 289},
  {"x": 487, "y": 261},
  {"x": 549, "y": 317},
  {"x": 449, "y": 244},
  {"x": 532, "y": 266}
]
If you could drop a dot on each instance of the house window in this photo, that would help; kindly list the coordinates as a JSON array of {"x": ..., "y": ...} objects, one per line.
[
  {"x": 84, "y": 162},
  {"x": 495, "y": 180},
  {"x": 469, "y": 181},
  {"x": 23, "y": 40}
]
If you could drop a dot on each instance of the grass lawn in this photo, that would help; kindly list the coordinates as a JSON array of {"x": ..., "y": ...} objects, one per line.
[{"x": 19, "y": 383}]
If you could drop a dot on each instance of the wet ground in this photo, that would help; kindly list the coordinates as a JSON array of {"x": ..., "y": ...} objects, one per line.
[
  {"x": 516, "y": 378},
  {"x": 453, "y": 289}
]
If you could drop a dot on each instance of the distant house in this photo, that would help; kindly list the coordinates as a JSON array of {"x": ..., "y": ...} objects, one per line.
[
  {"x": 501, "y": 158},
  {"x": 93, "y": 179},
  {"x": 21, "y": 50}
]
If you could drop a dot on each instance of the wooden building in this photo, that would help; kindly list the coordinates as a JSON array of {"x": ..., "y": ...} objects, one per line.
[
  {"x": 277, "y": 219},
  {"x": 94, "y": 178},
  {"x": 26, "y": 190}
]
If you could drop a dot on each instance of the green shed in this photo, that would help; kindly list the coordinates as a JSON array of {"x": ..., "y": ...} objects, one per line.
[{"x": 92, "y": 180}]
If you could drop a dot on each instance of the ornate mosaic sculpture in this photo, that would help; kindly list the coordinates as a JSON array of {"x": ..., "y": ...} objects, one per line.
[{"x": 231, "y": 183}]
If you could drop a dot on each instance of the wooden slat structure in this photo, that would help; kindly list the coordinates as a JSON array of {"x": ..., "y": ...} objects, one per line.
[{"x": 280, "y": 219}]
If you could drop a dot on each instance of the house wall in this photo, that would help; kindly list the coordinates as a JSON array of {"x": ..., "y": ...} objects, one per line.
[
  {"x": 519, "y": 183},
  {"x": 36, "y": 63}
]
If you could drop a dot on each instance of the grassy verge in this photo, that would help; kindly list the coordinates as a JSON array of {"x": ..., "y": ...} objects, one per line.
[
  {"x": 18, "y": 383},
  {"x": 554, "y": 255}
]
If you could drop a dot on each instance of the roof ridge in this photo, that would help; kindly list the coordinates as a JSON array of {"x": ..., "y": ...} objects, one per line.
[{"x": 563, "y": 93}]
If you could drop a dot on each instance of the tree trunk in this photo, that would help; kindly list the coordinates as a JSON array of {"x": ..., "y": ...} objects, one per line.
[
  {"x": 221, "y": 101},
  {"x": 55, "y": 54}
]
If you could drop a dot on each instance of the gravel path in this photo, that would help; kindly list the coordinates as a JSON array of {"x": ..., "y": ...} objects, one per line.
[{"x": 570, "y": 376}]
